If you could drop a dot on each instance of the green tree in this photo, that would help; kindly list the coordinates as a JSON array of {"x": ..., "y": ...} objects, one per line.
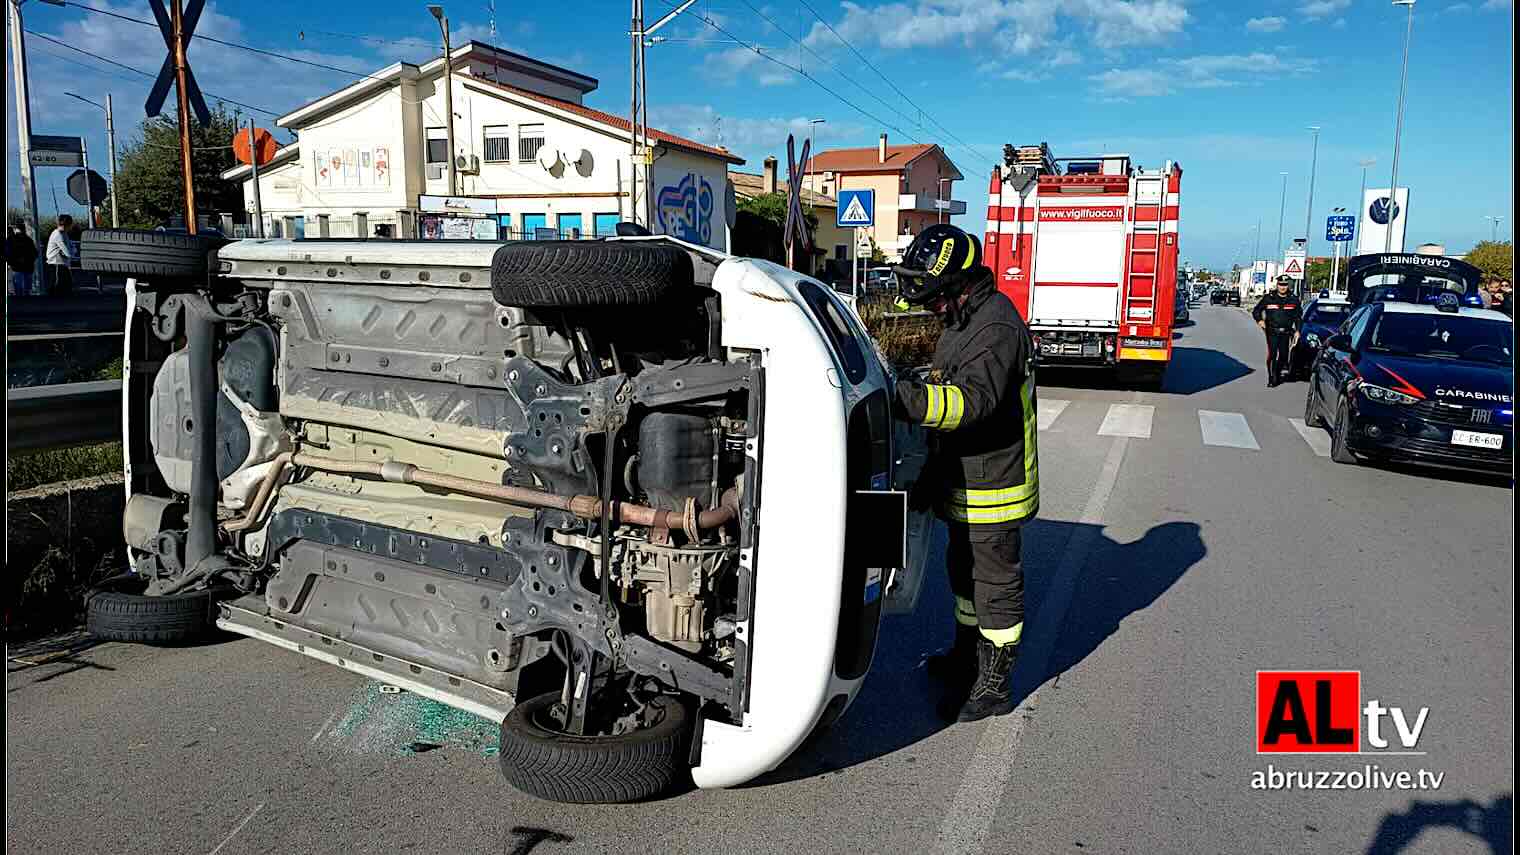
[
  {"x": 1319, "y": 276},
  {"x": 1495, "y": 258},
  {"x": 150, "y": 182}
]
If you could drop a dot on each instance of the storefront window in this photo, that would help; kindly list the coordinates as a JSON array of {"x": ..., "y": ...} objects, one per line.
[{"x": 606, "y": 225}]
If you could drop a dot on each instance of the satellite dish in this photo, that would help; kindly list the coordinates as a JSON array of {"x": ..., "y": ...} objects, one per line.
[
  {"x": 584, "y": 164},
  {"x": 551, "y": 161}
]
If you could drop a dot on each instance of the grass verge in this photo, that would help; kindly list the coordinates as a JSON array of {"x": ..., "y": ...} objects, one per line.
[{"x": 25, "y": 471}]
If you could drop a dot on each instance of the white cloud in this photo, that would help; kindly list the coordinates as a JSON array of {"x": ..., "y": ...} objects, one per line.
[
  {"x": 752, "y": 138},
  {"x": 1316, "y": 9},
  {"x": 1496, "y": 5},
  {"x": 1017, "y": 27},
  {"x": 1205, "y": 71},
  {"x": 1266, "y": 25},
  {"x": 1458, "y": 7},
  {"x": 732, "y": 64}
]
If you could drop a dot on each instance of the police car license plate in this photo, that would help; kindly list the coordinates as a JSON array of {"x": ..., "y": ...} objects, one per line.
[{"x": 1477, "y": 440}]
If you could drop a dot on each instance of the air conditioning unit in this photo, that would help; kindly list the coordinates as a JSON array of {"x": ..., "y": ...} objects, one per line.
[
  {"x": 434, "y": 171},
  {"x": 467, "y": 164}
]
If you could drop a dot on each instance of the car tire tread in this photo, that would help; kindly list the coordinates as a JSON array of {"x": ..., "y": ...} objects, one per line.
[
  {"x": 1340, "y": 452},
  {"x": 577, "y": 274}
]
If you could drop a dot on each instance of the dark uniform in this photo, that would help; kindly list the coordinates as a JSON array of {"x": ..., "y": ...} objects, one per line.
[
  {"x": 1280, "y": 315},
  {"x": 983, "y": 474}
]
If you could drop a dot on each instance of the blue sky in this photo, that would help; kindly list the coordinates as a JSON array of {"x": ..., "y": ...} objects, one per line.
[{"x": 1225, "y": 89}]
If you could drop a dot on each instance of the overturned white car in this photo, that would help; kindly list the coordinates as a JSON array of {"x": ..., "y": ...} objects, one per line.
[{"x": 632, "y": 497}]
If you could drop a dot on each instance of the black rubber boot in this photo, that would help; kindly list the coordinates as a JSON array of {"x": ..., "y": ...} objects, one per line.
[{"x": 993, "y": 692}]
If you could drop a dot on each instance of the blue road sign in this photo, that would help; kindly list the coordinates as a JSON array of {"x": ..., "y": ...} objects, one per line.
[
  {"x": 1338, "y": 229},
  {"x": 1259, "y": 277},
  {"x": 857, "y": 208}
]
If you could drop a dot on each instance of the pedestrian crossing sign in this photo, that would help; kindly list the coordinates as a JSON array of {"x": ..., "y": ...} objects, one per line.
[{"x": 857, "y": 208}]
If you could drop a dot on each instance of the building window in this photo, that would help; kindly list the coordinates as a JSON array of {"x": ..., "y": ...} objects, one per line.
[
  {"x": 437, "y": 145},
  {"x": 535, "y": 227},
  {"x": 498, "y": 144},
  {"x": 530, "y": 138},
  {"x": 322, "y": 227},
  {"x": 570, "y": 226},
  {"x": 361, "y": 224},
  {"x": 606, "y": 224}
]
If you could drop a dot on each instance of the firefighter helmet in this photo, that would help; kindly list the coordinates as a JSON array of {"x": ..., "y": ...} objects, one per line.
[{"x": 936, "y": 262}]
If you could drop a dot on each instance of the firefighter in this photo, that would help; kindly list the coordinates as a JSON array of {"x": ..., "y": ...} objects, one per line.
[
  {"x": 1280, "y": 315},
  {"x": 982, "y": 476}
]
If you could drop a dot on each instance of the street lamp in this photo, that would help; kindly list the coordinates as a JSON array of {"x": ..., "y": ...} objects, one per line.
[
  {"x": 448, "y": 93},
  {"x": 1361, "y": 201},
  {"x": 111, "y": 139},
  {"x": 1398, "y": 128},
  {"x": 1282, "y": 207},
  {"x": 939, "y": 197},
  {"x": 1494, "y": 235},
  {"x": 808, "y": 168},
  {"x": 1309, "y": 210}
]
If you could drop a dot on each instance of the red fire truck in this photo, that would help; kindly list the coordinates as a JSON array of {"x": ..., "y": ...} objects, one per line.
[{"x": 1087, "y": 249}]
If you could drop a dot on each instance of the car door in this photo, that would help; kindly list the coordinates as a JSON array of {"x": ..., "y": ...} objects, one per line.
[{"x": 1333, "y": 367}]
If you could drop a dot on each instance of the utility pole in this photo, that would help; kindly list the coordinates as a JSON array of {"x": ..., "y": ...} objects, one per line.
[
  {"x": 1309, "y": 209},
  {"x": 258, "y": 200},
  {"x": 812, "y": 124},
  {"x": 1398, "y": 130},
  {"x": 638, "y": 114},
  {"x": 89, "y": 198},
  {"x": 111, "y": 141},
  {"x": 186, "y": 157},
  {"x": 448, "y": 94},
  {"x": 24, "y": 118}
]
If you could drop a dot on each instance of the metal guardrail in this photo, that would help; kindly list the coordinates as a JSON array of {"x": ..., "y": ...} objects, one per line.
[{"x": 43, "y": 418}]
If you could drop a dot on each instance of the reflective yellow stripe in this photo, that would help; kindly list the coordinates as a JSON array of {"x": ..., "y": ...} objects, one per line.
[
  {"x": 991, "y": 498},
  {"x": 965, "y": 612},
  {"x": 902, "y": 305},
  {"x": 1000, "y": 514},
  {"x": 955, "y": 407},
  {"x": 934, "y": 411},
  {"x": 1004, "y": 637}
]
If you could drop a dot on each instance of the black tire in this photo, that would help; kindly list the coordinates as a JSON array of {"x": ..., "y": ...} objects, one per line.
[
  {"x": 117, "y": 610},
  {"x": 593, "y": 769},
  {"x": 1340, "y": 452},
  {"x": 1312, "y": 418},
  {"x": 148, "y": 254},
  {"x": 573, "y": 273}
]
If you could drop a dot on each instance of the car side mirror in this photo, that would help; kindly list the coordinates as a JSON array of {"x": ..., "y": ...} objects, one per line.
[{"x": 1339, "y": 341}]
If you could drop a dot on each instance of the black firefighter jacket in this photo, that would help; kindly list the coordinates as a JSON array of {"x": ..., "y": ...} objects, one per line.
[{"x": 979, "y": 406}]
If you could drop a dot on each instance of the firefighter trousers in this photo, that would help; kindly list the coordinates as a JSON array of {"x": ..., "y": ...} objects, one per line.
[
  {"x": 986, "y": 572},
  {"x": 1279, "y": 353}
]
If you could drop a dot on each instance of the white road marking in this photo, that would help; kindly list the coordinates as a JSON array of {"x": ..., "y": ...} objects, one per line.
[
  {"x": 1050, "y": 410},
  {"x": 1318, "y": 439},
  {"x": 1132, "y": 420},
  {"x": 972, "y": 811},
  {"x": 235, "y": 831},
  {"x": 320, "y": 730},
  {"x": 1228, "y": 429}
]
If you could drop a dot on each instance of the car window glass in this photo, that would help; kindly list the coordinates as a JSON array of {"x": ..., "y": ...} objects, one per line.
[
  {"x": 1330, "y": 313},
  {"x": 839, "y": 331},
  {"x": 1442, "y": 336}
]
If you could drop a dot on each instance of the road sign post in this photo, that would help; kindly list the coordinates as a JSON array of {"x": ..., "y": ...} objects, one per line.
[{"x": 857, "y": 210}]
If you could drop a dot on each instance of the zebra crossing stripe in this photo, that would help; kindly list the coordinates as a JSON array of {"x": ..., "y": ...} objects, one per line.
[
  {"x": 1131, "y": 420},
  {"x": 1318, "y": 440},
  {"x": 1226, "y": 429},
  {"x": 1050, "y": 410}
]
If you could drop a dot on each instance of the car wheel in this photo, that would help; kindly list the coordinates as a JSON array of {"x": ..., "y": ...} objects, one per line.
[
  {"x": 544, "y": 762},
  {"x": 117, "y": 610},
  {"x": 1340, "y": 452},
  {"x": 1312, "y": 418},
  {"x": 574, "y": 274},
  {"x": 148, "y": 254}
]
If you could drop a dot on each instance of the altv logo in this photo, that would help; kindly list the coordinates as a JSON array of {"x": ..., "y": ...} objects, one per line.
[{"x": 1322, "y": 712}]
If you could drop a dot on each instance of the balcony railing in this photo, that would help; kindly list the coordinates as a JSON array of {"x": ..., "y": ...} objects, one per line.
[{"x": 920, "y": 202}]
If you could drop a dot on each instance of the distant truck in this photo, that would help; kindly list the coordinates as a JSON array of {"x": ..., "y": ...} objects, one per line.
[{"x": 1087, "y": 249}]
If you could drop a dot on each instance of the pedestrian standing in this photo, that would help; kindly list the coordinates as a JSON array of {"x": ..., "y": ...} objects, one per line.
[
  {"x": 21, "y": 255},
  {"x": 1279, "y": 314},
  {"x": 60, "y": 253},
  {"x": 983, "y": 473}
]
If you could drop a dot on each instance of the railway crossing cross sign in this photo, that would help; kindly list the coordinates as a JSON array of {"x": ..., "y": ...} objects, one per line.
[{"x": 166, "y": 76}]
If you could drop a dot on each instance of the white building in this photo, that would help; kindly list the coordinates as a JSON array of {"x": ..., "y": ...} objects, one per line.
[{"x": 532, "y": 160}]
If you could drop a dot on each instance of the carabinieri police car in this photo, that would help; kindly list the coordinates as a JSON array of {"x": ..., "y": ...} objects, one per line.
[{"x": 1426, "y": 383}]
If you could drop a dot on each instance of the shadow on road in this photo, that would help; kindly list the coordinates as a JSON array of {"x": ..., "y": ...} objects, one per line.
[
  {"x": 1497, "y": 480},
  {"x": 1493, "y": 824},
  {"x": 896, "y": 706},
  {"x": 1197, "y": 369}
]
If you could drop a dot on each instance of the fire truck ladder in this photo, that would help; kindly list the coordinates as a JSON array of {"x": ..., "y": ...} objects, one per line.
[{"x": 1149, "y": 187}]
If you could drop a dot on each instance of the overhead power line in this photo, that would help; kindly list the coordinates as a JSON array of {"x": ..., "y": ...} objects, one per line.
[
  {"x": 871, "y": 65},
  {"x": 139, "y": 71}
]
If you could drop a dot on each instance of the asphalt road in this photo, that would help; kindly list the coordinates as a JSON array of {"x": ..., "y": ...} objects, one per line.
[{"x": 1177, "y": 553}]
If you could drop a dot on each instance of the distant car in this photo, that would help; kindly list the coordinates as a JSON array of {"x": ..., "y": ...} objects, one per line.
[
  {"x": 1323, "y": 317},
  {"x": 1416, "y": 382},
  {"x": 1232, "y": 298},
  {"x": 1218, "y": 298},
  {"x": 878, "y": 279},
  {"x": 1180, "y": 309}
]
